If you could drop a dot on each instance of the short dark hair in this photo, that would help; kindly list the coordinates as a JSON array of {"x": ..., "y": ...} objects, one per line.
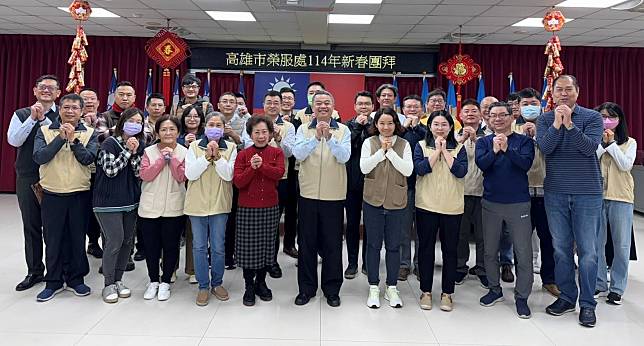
[
  {"x": 528, "y": 93},
  {"x": 125, "y": 116},
  {"x": 387, "y": 86},
  {"x": 155, "y": 96},
  {"x": 239, "y": 95},
  {"x": 228, "y": 93},
  {"x": 50, "y": 77},
  {"x": 89, "y": 89},
  {"x": 71, "y": 97},
  {"x": 469, "y": 102},
  {"x": 569, "y": 76},
  {"x": 256, "y": 119},
  {"x": 190, "y": 78},
  {"x": 287, "y": 90},
  {"x": 451, "y": 139},
  {"x": 514, "y": 97},
  {"x": 272, "y": 93},
  {"x": 315, "y": 83},
  {"x": 186, "y": 112},
  {"x": 502, "y": 104},
  {"x": 398, "y": 128},
  {"x": 164, "y": 118},
  {"x": 439, "y": 92},
  {"x": 412, "y": 97},
  {"x": 615, "y": 111},
  {"x": 124, "y": 83},
  {"x": 363, "y": 93}
]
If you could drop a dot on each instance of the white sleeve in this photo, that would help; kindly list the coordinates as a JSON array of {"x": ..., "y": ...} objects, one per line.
[
  {"x": 195, "y": 166},
  {"x": 246, "y": 141},
  {"x": 404, "y": 165},
  {"x": 367, "y": 161},
  {"x": 600, "y": 151},
  {"x": 624, "y": 160},
  {"x": 225, "y": 168},
  {"x": 19, "y": 131},
  {"x": 288, "y": 141}
]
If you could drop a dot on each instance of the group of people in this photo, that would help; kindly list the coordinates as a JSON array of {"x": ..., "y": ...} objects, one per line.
[{"x": 501, "y": 171}]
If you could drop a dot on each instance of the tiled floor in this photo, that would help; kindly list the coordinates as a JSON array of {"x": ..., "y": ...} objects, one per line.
[{"x": 70, "y": 320}]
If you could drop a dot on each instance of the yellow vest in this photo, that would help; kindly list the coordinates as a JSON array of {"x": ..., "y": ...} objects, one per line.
[
  {"x": 162, "y": 196},
  {"x": 321, "y": 176},
  {"x": 306, "y": 117},
  {"x": 209, "y": 195},
  {"x": 618, "y": 185},
  {"x": 440, "y": 191},
  {"x": 64, "y": 174},
  {"x": 282, "y": 129},
  {"x": 473, "y": 180}
]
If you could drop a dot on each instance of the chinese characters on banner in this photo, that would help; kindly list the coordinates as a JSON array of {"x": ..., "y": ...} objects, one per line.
[{"x": 285, "y": 60}]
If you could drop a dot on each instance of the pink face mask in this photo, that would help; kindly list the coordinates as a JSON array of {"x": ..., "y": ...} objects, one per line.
[{"x": 610, "y": 123}]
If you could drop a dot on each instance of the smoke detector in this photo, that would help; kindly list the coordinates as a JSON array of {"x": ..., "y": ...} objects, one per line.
[{"x": 465, "y": 37}]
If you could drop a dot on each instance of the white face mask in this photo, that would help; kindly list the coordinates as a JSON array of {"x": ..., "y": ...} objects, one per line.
[{"x": 530, "y": 113}]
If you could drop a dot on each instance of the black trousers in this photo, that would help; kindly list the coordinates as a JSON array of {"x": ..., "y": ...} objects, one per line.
[
  {"x": 229, "y": 242},
  {"x": 447, "y": 226},
  {"x": 320, "y": 232},
  {"x": 64, "y": 219},
  {"x": 162, "y": 235},
  {"x": 290, "y": 208},
  {"x": 32, "y": 224},
  {"x": 93, "y": 228},
  {"x": 540, "y": 222},
  {"x": 353, "y": 206},
  {"x": 282, "y": 193}
]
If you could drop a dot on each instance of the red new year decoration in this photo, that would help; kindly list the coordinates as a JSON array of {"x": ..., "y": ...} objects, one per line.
[
  {"x": 80, "y": 11},
  {"x": 168, "y": 50},
  {"x": 553, "y": 21},
  {"x": 460, "y": 69}
]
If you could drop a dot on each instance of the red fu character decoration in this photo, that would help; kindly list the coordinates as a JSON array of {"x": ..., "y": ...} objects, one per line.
[
  {"x": 80, "y": 11},
  {"x": 553, "y": 21},
  {"x": 460, "y": 69},
  {"x": 168, "y": 50}
]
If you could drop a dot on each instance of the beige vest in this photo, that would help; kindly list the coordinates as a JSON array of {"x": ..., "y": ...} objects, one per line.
[
  {"x": 440, "y": 191},
  {"x": 209, "y": 195},
  {"x": 321, "y": 176},
  {"x": 384, "y": 185},
  {"x": 282, "y": 129},
  {"x": 163, "y": 196},
  {"x": 473, "y": 180},
  {"x": 537, "y": 172},
  {"x": 306, "y": 118},
  {"x": 64, "y": 174},
  {"x": 618, "y": 185}
]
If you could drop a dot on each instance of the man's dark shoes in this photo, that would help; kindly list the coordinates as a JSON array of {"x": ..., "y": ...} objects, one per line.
[
  {"x": 351, "y": 272},
  {"x": 275, "y": 271},
  {"x": 130, "y": 265},
  {"x": 139, "y": 255},
  {"x": 302, "y": 299},
  {"x": 249, "y": 296},
  {"x": 333, "y": 300},
  {"x": 29, "y": 281},
  {"x": 263, "y": 292},
  {"x": 460, "y": 278},
  {"x": 95, "y": 250},
  {"x": 614, "y": 299},
  {"x": 506, "y": 273},
  {"x": 291, "y": 251},
  {"x": 560, "y": 307},
  {"x": 587, "y": 317}
]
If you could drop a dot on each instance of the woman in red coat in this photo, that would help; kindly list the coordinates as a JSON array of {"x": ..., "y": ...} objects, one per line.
[{"x": 258, "y": 170}]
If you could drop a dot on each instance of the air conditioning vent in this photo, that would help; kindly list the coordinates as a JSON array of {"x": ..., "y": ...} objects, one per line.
[
  {"x": 303, "y": 5},
  {"x": 154, "y": 27},
  {"x": 465, "y": 37}
]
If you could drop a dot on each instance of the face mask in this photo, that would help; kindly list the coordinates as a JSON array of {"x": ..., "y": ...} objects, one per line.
[
  {"x": 309, "y": 98},
  {"x": 610, "y": 123},
  {"x": 214, "y": 133},
  {"x": 530, "y": 113},
  {"x": 132, "y": 129}
]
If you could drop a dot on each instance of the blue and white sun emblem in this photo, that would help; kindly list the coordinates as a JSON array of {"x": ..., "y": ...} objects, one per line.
[{"x": 281, "y": 83}]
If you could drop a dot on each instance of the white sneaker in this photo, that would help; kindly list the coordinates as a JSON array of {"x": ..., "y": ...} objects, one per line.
[
  {"x": 124, "y": 291},
  {"x": 164, "y": 291},
  {"x": 151, "y": 291},
  {"x": 373, "y": 301},
  {"x": 391, "y": 294},
  {"x": 192, "y": 279}
]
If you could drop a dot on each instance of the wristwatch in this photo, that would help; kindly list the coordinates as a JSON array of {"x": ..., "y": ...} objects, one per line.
[{"x": 571, "y": 126}]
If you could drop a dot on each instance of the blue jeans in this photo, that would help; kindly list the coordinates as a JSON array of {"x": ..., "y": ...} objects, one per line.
[
  {"x": 506, "y": 253},
  {"x": 213, "y": 228},
  {"x": 382, "y": 224},
  {"x": 408, "y": 232},
  {"x": 620, "y": 217},
  {"x": 575, "y": 219}
]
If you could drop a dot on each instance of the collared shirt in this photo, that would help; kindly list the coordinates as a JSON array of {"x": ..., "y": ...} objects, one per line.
[
  {"x": 305, "y": 146},
  {"x": 20, "y": 130}
]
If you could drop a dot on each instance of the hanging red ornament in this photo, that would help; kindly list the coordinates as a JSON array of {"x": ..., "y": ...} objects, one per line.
[
  {"x": 553, "y": 21},
  {"x": 80, "y": 11},
  {"x": 168, "y": 50}
]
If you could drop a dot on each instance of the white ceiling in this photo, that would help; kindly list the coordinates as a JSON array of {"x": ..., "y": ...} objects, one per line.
[{"x": 398, "y": 22}]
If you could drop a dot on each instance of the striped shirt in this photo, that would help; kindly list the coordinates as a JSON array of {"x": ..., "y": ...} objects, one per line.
[{"x": 571, "y": 164}]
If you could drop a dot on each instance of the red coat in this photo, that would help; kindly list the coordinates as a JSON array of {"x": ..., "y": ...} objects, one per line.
[{"x": 258, "y": 187}]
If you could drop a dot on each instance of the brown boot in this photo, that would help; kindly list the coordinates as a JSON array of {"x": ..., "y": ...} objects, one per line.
[{"x": 202, "y": 297}]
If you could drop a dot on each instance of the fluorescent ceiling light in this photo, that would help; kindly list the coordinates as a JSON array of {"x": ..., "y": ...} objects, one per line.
[
  {"x": 535, "y": 22},
  {"x": 350, "y": 18},
  {"x": 358, "y": 1},
  {"x": 97, "y": 12},
  {"x": 590, "y": 4},
  {"x": 232, "y": 16}
]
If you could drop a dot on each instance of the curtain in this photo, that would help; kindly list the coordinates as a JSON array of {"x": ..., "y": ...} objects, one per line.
[
  {"x": 604, "y": 74},
  {"x": 228, "y": 82},
  {"x": 24, "y": 58}
]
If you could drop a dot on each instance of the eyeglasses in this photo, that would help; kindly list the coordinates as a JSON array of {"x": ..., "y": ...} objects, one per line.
[
  {"x": 192, "y": 116},
  {"x": 73, "y": 108},
  {"x": 191, "y": 86},
  {"x": 501, "y": 115},
  {"x": 436, "y": 100},
  {"x": 50, "y": 88},
  {"x": 287, "y": 98}
]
